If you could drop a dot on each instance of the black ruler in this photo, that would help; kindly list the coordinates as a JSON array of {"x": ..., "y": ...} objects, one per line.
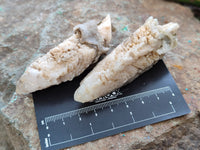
[{"x": 62, "y": 122}]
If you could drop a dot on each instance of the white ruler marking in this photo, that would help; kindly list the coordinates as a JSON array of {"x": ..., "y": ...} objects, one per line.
[
  {"x": 91, "y": 128},
  {"x": 46, "y": 142},
  {"x": 157, "y": 97},
  {"x": 95, "y": 113},
  {"x": 153, "y": 114},
  {"x": 127, "y": 106},
  {"x": 79, "y": 117},
  {"x": 132, "y": 116},
  {"x": 113, "y": 125},
  {"x": 49, "y": 142},
  {"x": 172, "y": 106},
  {"x": 71, "y": 137},
  {"x": 111, "y": 108}
]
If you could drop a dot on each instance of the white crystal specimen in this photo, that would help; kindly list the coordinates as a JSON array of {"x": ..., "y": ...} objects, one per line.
[
  {"x": 127, "y": 61},
  {"x": 69, "y": 59}
]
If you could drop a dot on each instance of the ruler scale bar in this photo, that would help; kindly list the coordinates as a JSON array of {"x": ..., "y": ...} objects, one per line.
[
  {"x": 113, "y": 128},
  {"x": 105, "y": 104},
  {"x": 132, "y": 106}
]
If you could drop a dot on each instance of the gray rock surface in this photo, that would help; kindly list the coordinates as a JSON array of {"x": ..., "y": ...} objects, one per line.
[
  {"x": 184, "y": 136},
  {"x": 5, "y": 143},
  {"x": 30, "y": 28}
]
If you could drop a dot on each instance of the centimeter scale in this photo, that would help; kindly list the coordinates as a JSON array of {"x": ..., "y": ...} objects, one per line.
[{"x": 62, "y": 122}]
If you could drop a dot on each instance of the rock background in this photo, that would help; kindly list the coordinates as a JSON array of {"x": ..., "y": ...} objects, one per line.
[{"x": 30, "y": 28}]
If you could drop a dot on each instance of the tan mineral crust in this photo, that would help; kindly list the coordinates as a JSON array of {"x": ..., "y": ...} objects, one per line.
[{"x": 28, "y": 31}]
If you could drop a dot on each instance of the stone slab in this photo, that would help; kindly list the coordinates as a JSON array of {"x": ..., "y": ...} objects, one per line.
[{"x": 33, "y": 27}]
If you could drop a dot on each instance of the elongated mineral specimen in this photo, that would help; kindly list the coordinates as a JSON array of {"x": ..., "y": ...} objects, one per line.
[
  {"x": 127, "y": 61},
  {"x": 69, "y": 59}
]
